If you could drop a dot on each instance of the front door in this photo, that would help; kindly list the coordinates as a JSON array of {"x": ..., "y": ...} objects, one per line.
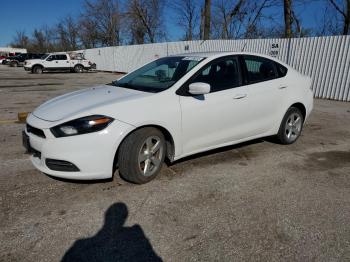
[{"x": 216, "y": 118}]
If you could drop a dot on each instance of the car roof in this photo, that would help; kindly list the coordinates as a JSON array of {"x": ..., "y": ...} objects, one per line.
[
  {"x": 58, "y": 53},
  {"x": 218, "y": 54}
]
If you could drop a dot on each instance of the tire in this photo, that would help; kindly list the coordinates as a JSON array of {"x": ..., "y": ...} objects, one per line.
[
  {"x": 37, "y": 69},
  {"x": 137, "y": 163},
  {"x": 78, "y": 69},
  {"x": 291, "y": 126},
  {"x": 14, "y": 64}
]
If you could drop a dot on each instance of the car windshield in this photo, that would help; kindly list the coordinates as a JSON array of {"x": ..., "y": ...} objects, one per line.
[
  {"x": 44, "y": 56},
  {"x": 159, "y": 75}
]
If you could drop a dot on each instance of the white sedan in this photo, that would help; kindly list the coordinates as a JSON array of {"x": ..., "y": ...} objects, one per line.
[{"x": 170, "y": 108}]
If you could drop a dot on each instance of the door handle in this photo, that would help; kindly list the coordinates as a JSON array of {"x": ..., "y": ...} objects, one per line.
[
  {"x": 282, "y": 87},
  {"x": 56, "y": 62},
  {"x": 239, "y": 96}
]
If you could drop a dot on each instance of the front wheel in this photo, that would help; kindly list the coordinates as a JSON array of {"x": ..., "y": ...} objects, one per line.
[
  {"x": 37, "y": 70},
  {"x": 291, "y": 126},
  {"x": 141, "y": 155}
]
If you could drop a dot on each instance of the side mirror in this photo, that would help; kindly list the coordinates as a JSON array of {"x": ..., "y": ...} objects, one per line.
[{"x": 199, "y": 88}]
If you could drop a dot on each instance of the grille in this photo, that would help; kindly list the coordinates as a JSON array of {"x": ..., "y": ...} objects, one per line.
[{"x": 35, "y": 131}]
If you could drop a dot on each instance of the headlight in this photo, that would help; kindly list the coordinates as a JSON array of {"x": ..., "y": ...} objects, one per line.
[{"x": 82, "y": 125}]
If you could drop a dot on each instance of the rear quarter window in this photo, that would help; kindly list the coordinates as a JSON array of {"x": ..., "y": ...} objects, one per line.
[{"x": 281, "y": 70}]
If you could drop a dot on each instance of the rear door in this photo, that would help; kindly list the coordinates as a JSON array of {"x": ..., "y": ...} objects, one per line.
[
  {"x": 265, "y": 91},
  {"x": 62, "y": 61}
]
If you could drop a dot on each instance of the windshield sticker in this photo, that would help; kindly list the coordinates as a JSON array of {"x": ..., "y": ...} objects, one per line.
[{"x": 193, "y": 58}]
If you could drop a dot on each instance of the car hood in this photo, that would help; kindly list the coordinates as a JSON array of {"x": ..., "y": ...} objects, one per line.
[{"x": 86, "y": 100}]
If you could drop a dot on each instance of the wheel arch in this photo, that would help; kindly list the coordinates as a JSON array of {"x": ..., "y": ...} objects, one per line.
[
  {"x": 79, "y": 65},
  {"x": 169, "y": 140},
  {"x": 33, "y": 66},
  {"x": 301, "y": 107}
]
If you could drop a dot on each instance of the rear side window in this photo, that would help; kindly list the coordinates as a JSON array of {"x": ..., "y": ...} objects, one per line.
[
  {"x": 259, "y": 69},
  {"x": 61, "y": 57}
]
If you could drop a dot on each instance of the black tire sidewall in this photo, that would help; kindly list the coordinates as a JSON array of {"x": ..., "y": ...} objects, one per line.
[
  {"x": 78, "y": 69},
  {"x": 129, "y": 151},
  {"x": 37, "y": 70}
]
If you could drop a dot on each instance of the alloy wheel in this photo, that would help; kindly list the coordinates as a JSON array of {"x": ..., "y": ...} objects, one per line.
[
  {"x": 150, "y": 155},
  {"x": 293, "y": 127}
]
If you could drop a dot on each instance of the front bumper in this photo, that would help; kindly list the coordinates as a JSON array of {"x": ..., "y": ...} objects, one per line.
[
  {"x": 93, "y": 153},
  {"x": 27, "y": 68}
]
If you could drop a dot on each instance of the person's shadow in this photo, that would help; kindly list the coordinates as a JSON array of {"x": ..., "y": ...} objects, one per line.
[{"x": 113, "y": 242}]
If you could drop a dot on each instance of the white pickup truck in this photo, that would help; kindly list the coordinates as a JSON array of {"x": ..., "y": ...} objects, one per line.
[{"x": 74, "y": 62}]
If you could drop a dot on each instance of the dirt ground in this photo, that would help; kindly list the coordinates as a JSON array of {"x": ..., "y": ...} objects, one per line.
[{"x": 257, "y": 201}]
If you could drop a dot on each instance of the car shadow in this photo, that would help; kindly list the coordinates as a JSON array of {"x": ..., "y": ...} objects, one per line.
[
  {"x": 65, "y": 71},
  {"x": 114, "y": 241}
]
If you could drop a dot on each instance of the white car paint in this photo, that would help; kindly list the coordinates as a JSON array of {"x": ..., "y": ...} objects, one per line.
[{"x": 196, "y": 125}]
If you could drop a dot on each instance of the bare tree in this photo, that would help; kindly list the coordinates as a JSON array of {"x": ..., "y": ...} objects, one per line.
[
  {"x": 343, "y": 8},
  {"x": 240, "y": 18},
  {"x": 20, "y": 40},
  {"x": 226, "y": 16},
  {"x": 106, "y": 16},
  {"x": 187, "y": 15},
  {"x": 145, "y": 17},
  {"x": 43, "y": 40},
  {"x": 67, "y": 34},
  {"x": 88, "y": 34}
]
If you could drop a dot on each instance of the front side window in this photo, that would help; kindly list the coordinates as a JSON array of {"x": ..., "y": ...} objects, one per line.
[
  {"x": 220, "y": 75},
  {"x": 159, "y": 75},
  {"x": 259, "y": 69},
  {"x": 51, "y": 58}
]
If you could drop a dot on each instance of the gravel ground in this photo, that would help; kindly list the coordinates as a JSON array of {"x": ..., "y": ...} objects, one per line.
[{"x": 257, "y": 201}]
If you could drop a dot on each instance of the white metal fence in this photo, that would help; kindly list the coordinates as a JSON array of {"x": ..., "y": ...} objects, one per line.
[{"x": 325, "y": 59}]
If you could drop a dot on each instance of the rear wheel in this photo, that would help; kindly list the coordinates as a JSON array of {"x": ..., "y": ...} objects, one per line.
[
  {"x": 37, "y": 69},
  {"x": 291, "y": 126},
  {"x": 141, "y": 155},
  {"x": 78, "y": 69},
  {"x": 14, "y": 64}
]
